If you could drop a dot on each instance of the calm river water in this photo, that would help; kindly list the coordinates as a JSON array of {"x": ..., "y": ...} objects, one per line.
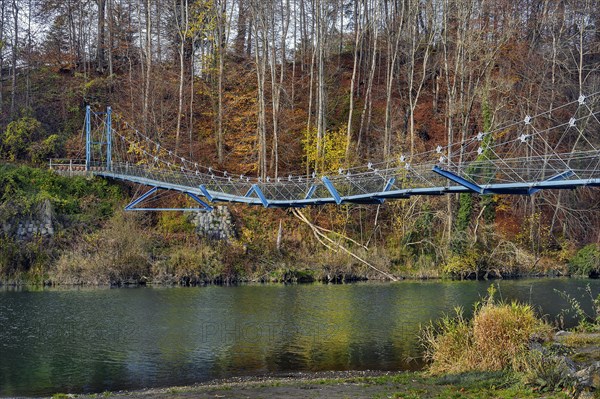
[{"x": 92, "y": 340}]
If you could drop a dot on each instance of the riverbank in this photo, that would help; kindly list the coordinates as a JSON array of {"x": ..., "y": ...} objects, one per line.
[
  {"x": 72, "y": 231},
  {"x": 348, "y": 384}
]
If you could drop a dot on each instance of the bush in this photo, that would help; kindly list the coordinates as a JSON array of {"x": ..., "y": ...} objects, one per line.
[
  {"x": 118, "y": 254},
  {"x": 497, "y": 335},
  {"x": 545, "y": 370},
  {"x": 19, "y": 135},
  {"x": 586, "y": 261},
  {"x": 501, "y": 332},
  {"x": 41, "y": 151},
  {"x": 187, "y": 264},
  {"x": 586, "y": 321}
]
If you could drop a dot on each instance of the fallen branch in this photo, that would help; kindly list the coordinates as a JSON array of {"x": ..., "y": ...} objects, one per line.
[{"x": 321, "y": 236}]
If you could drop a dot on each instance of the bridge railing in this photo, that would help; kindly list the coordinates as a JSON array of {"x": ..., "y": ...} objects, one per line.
[{"x": 73, "y": 167}]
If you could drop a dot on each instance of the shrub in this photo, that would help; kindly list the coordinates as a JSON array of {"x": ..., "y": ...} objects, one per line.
[
  {"x": 586, "y": 261},
  {"x": 448, "y": 345},
  {"x": 498, "y": 334},
  {"x": 501, "y": 332},
  {"x": 462, "y": 265},
  {"x": 41, "y": 151},
  {"x": 19, "y": 135},
  {"x": 117, "y": 254},
  {"x": 190, "y": 264},
  {"x": 545, "y": 370},
  {"x": 586, "y": 321}
]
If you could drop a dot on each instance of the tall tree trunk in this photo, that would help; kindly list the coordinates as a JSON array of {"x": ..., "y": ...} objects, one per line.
[
  {"x": 365, "y": 117},
  {"x": 192, "y": 89},
  {"x": 2, "y": 11},
  {"x": 182, "y": 29},
  {"x": 29, "y": 53},
  {"x": 357, "y": 39},
  {"x": 321, "y": 29},
  {"x": 148, "y": 71},
  {"x": 240, "y": 39},
  {"x": 15, "y": 49},
  {"x": 260, "y": 57},
  {"x": 110, "y": 39},
  {"x": 100, "y": 59},
  {"x": 394, "y": 30},
  {"x": 220, "y": 8}
]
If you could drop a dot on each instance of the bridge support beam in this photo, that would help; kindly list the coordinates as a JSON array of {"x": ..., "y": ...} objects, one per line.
[
  {"x": 459, "y": 180},
  {"x": 133, "y": 205},
  {"x": 561, "y": 176},
  {"x": 332, "y": 190},
  {"x": 311, "y": 191},
  {"x": 205, "y": 192},
  {"x": 505, "y": 190},
  {"x": 256, "y": 190},
  {"x": 141, "y": 198},
  {"x": 389, "y": 184}
]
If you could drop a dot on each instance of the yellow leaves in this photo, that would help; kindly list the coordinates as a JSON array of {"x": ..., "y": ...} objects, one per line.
[
  {"x": 204, "y": 20},
  {"x": 327, "y": 154}
]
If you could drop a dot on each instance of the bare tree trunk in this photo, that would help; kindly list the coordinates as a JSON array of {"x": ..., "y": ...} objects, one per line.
[
  {"x": 148, "y": 64},
  {"x": 240, "y": 39},
  {"x": 357, "y": 39},
  {"x": 321, "y": 30},
  {"x": 366, "y": 112},
  {"x": 260, "y": 57},
  {"x": 2, "y": 12},
  {"x": 109, "y": 15},
  {"x": 183, "y": 25},
  {"x": 29, "y": 54},
  {"x": 393, "y": 31},
  {"x": 450, "y": 92},
  {"x": 277, "y": 84},
  {"x": 416, "y": 85},
  {"x": 220, "y": 44},
  {"x": 100, "y": 61},
  {"x": 15, "y": 50},
  {"x": 192, "y": 89},
  {"x": 159, "y": 11}
]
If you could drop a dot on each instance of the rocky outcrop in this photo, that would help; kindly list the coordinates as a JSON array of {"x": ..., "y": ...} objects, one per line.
[
  {"x": 589, "y": 376},
  {"x": 580, "y": 351},
  {"x": 217, "y": 224}
]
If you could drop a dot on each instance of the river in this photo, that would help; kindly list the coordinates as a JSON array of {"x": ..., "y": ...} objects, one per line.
[{"x": 93, "y": 340}]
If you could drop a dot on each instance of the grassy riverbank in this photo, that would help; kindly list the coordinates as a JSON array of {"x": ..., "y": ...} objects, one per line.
[{"x": 374, "y": 385}]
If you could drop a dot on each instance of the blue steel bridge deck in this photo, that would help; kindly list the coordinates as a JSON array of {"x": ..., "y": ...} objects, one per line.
[{"x": 203, "y": 189}]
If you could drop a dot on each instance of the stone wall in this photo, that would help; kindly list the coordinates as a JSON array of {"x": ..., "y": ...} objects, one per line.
[
  {"x": 217, "y": 224},
  {"x": 28, "y": 227}
]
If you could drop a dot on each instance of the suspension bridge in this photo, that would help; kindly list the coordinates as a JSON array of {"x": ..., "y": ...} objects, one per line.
[{"x": 555, "y": 149}]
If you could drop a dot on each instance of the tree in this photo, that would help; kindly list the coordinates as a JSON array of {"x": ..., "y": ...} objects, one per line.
[
  {"x": 19, "y": 135},
  {"x": 15, "y": 50}
]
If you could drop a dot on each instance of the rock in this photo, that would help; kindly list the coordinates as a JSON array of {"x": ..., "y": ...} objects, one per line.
[
  {"x": 589, "y": 376},
  {"x": 586, "y": 395},
  {"x": 562, "y": 333},
  {"x": 216, "y": 224}
]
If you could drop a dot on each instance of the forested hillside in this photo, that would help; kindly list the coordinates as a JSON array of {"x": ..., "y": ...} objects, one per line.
[{"x": 269, "y": 88}]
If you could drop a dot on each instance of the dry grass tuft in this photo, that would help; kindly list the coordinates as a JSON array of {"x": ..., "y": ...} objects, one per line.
[{"x": 497, "y": 335}]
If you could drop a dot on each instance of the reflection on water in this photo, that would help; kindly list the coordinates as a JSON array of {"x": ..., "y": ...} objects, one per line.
[{"x": 91, "y": 340}]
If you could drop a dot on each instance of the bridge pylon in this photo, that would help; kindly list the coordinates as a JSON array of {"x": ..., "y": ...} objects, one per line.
[{"x": 98, "y": 141}]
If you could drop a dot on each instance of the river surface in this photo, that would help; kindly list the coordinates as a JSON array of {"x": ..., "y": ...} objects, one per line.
[{"x": 94, "y": 340}]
